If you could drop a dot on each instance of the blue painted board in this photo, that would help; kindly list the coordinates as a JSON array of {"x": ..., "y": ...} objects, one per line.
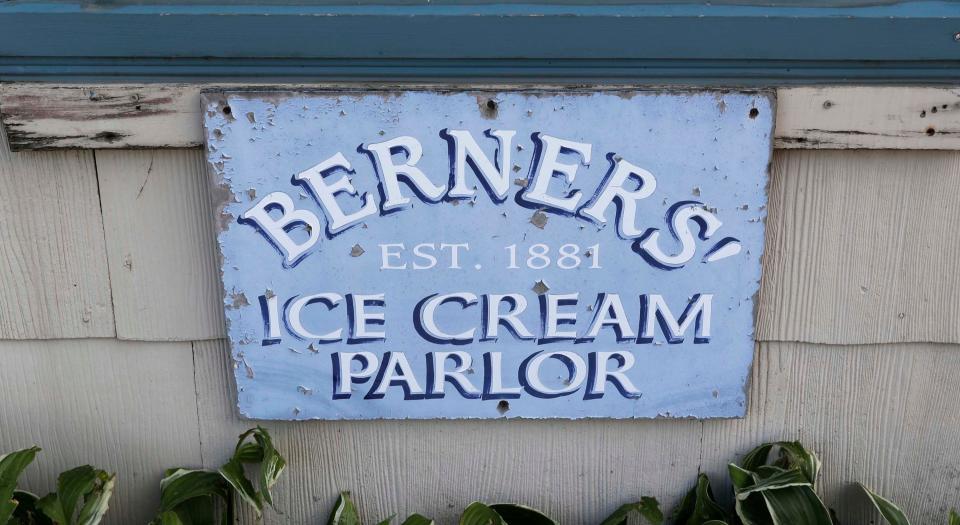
[
  {"x": 689, "y": 42},
  {"x": 422, "y": 254}
]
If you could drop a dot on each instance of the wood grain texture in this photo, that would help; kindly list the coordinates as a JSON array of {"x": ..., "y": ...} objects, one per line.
[
  {"x": 576, "y": 471},
  {"x": 881, "y": 414},
  {"x": 862, "y": 247},
  {"x": 126, "y": 407},
  {"x": 53, "y": 272},
  {"x": 100, "y": 116},
  {"x": 868, "y": 118},
  {"x": 884, "y": 415},
  {"x": 160, "y": 244},
  {"x": 42, "y": 116}
]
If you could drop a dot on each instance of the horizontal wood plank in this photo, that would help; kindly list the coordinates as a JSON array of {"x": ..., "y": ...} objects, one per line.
[
  {"x": 868, "y": 118},
  {"x": 126, "y": 407},
  {"x": 53, "y": 272},
  {"x": 45, "y": 116},
  {"x": 158, "y": 222},
  {"x": 862, "y": 247}
]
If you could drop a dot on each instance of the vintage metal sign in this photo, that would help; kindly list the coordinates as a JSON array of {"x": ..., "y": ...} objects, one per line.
[{"x": 425, "y": 254}]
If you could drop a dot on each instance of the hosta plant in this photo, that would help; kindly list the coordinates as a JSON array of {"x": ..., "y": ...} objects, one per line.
[
  {"x": 81, "y": 498},
  {"x": 477, "y": 513},
  {"x": 189, "y": 496},
  {"x": 774, "y": 484}
]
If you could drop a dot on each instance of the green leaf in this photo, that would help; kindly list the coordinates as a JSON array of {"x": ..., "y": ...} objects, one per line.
[
  {"x": 954, "y": 517},
  {"x": 168, "y": 518},
  {"x": 786, "y": 455},
  {"x": 262, "y": 451},
  {"x": 647, "y": 507},
  {"x": 417, "y": 519},
  {"x": 27, "y": 512},
  {"x": 344, "y": 511},
  {"x": 11, "y": 466},
  {"x": 774, "y": 495},
  {"x": 515, "y": 513},
  {"x": 777, "y": 480},
  {"x": 890, "y": 512},
  {"x": 93, "y": 487},
  {"x": 232, "y": 472},
  {"x": 197, "y": 497},
  {"x": 751, "y": 509},
  {"x": 181, "y": 485},
  {"x": 698, "y": 506},
  {"x": 796, "y": 505},
  {"x": 206, "y": 510},
  {"x": 477, "y": 513},
  {"x": 96, "y": 502}
]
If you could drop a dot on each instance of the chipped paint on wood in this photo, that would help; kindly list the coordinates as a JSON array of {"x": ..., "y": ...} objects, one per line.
[
  {"x": 106, "y": 116},
  {"x": 42, "y": 116},
  {"x": 408, "y": 277},
  {"x": 869, "y": 118}
]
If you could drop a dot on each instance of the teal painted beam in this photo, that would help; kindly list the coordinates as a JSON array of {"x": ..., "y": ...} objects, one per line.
[{"x": 902, "y": 41}]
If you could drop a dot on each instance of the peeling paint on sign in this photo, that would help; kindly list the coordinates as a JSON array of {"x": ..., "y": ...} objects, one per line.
[{"x": 430, "y": 254}]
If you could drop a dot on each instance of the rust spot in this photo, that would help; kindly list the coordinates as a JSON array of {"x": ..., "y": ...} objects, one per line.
[
  {"x": 520, "y": 182},
  {"x": 304, "y": 390},
  {"x": 237, "y": 300},
  {"x": 356, "y": 251},
  {"x": 539, "y": 219},
  {"x": 251, "y": 117},
  {"x": 503, "y": 406},
  {"x": 540, "y": 288}
]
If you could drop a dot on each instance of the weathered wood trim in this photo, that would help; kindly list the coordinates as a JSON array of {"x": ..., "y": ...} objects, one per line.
[
  {"x": 45, "y": 116},
  {"x": 868, "y": 118}
]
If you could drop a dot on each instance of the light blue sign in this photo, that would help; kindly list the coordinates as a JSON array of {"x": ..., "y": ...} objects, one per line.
[{"x": 425, "y": 254}]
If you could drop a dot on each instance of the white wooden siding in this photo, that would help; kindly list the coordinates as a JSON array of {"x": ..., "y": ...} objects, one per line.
[
  {"x": 168, "y": 116},
  {"x": 158, "y": 219},
  {"x": 53, "y": 271},
  {"x": 855, "y": 239},
  {"x": 881, "y": 414},
  {"x": 126, "y": 407},
  {"x": 862, "y": 247},
  {"x": 884, "y": 415}
]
